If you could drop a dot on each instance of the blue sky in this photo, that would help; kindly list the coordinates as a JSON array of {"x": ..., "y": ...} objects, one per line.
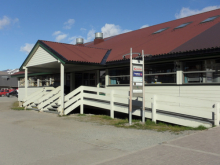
[{"x": 23, "y": 22}]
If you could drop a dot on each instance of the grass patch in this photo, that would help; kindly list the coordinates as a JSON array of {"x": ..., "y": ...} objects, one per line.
[
  {"x": 81, "y": 115},
  {"x": 15, "y": 106},
  {"x": 136, "y": 124}
]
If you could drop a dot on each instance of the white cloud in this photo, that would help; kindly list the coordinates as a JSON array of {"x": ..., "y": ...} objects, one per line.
[
  {"x": 107, "y": 30},
  {"x": 4, "y": 22},
  {"x": 144, "y": 26},
  {"x": 184, "y": 12},
  {"x": 69, "y": 24},
  {"x": 27, "y": 48},
  {"x": 112, "y": 29},
  {"x": 82, "y": 29},
  {"x": 59, "y": 36},
  {"x": 56, "y": 33},
  {"x": 90, "y": 36}
]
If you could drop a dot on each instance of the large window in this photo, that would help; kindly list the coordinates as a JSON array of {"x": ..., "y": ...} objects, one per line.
[
  {"x": 203, "y": 71},
  {"x": 154, "y": 74},
  {"x": 160, "y": 73},
  {"x": 119, "y": 76}
]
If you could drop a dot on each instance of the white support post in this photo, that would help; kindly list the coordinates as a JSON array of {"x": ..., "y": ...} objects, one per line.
[
  {"x": 62, "y": 88},
  {"x": 106, "y": 78},
  {"x": 18, "y": 83},
  {"x": 26, "y": 82},
  {"x": 130, "y": 101},
  {"x": 143, "y": 98},
  {"x": 38, "y": 82},
  {"x": 50, "y": 81},
  {"x": 81, "y": 105},
  {"x": 179, "y": 73},
  {"x": 112, "y": 104},
  {"x": 216, "y": 119},
  {"x": 97, "y": 80},
  {"x": 154, "y": 108}
]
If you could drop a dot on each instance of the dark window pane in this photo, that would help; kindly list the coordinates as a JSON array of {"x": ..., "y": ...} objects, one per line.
[
  {"x": 159, "y": 68},
  {"x": 159, "y": 79}
]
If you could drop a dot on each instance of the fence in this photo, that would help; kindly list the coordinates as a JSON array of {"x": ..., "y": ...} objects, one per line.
[{"x": 176, "y": 110}]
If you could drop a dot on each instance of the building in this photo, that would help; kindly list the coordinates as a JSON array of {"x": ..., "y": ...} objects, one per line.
[
  {"x": 182, "y": 59},
  {"x": 6, "y": 81}
]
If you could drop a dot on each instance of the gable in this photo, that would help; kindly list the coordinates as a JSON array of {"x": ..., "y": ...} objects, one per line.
[{"x": 39, "y": 57}]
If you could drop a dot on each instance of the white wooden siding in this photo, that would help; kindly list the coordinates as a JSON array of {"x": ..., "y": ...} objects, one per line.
[{"x": 41, "y": 57}]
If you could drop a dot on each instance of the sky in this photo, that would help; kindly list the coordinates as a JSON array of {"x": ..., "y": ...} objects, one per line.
[{"x": 24, "y": 22}]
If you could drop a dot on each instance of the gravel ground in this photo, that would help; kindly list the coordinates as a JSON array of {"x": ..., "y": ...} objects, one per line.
[{"x": 52, "y": 137}]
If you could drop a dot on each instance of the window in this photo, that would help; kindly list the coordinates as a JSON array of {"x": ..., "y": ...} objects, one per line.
[
  {"x": 203, "y": 71},
  {"x": 210, "y": 19},
  {"x": 161, "y": 30},
  {"x": 119, "y": 76},
  {"x": 154, "y": 74},
  {"x": 183, "y": 25},
  {"x": 160, "y": 73}
]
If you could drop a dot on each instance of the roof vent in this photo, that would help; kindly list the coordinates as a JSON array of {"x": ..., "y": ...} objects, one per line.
[
  {"x": 79, "y": 41},
  {"x": 98, "y": 38},
  {"x": 99, "y": 35}
]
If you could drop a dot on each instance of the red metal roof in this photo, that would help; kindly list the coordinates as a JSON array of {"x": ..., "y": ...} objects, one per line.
[
  {"x": 166, "y": 41},
  {"x": 196, "y": 35},
  {"x": 78, "y": 53}
]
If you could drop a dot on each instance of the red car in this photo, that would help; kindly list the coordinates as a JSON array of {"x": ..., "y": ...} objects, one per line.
[{"x": 4, "y": 92}]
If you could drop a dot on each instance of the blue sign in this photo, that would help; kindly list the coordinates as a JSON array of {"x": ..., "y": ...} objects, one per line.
[{"x": 137, "y": 74}]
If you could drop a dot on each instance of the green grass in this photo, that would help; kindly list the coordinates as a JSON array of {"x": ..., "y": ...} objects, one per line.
[
  {"x": 81, "y": 115},
  {"x": 137, "y": 124},
  {"x": 15, "y": 106}
]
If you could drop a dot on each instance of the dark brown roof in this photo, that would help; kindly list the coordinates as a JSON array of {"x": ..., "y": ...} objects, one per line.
[
  {"x": 169, "y": 40},
  {"x": 78, "y": 53}
]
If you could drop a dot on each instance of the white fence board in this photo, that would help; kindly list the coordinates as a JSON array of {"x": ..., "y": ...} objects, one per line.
[{"x": 185, "y": 111}]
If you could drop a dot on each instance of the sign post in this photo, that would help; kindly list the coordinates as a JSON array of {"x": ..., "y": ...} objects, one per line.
[{"x": 137, "y": 83}]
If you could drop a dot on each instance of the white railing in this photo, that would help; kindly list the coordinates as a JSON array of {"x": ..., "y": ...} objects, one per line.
[
  {"x": 34, "y": 97},
  {"x": 49, "y": 98},
  {"x": 56, "y": 90},
  {"x": 176, "y": 110},
  {"x": 52, "y": 99}
]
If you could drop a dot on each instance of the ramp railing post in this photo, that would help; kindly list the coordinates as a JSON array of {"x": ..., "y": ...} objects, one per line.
[
  {"x": 154, "y": 108},
  {"x": 38, "y": 82},
  {"x": 112, "y": 104},
  {"x": 216, "y": 119},
  {"x": 81, "y": 105}
]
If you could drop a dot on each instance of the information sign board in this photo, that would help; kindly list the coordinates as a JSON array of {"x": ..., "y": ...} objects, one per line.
[
  {"x": 137, "y": 74},
  {"x": 137, "y": 82}
]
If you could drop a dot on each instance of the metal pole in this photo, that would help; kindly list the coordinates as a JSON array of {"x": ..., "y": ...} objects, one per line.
[
  {"x": 131, "y": 75},
  {"x": 143, "y": 101}
]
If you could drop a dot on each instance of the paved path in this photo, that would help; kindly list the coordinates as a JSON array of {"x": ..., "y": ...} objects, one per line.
[
  {"x": 200, "y": 148},
  {"x": 32, "y": 138}
]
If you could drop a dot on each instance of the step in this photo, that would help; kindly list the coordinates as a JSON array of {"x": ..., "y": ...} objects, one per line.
[
  {"x": 35, "y": 109},
  {"x": 55, "y": 112},
  {"x": 55, "y": 106},
  {"x": 52, "y": 109}
]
